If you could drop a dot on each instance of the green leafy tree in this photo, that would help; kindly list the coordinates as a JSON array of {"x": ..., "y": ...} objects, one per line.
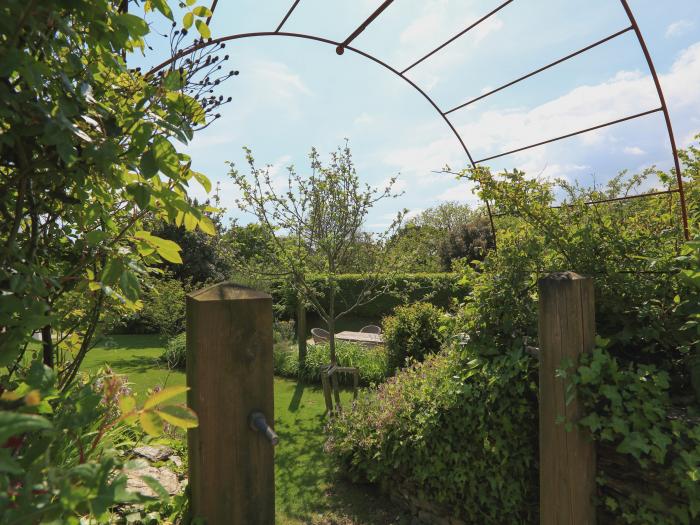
[
  {"x": 86, "y": 153},
  {"x": 314, "y": 225}
]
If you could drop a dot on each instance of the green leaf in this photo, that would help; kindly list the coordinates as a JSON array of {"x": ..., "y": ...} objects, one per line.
[
  {"x": 148, "y": 164},
  {"x": 14, "y": 424},
  {"x": 207, "y": 226},
  {"x": 187, "y": 20},
  {"x": 141, "y": 194},
  {"x": 190, "y": 221},
  {"x": 168, "y": 250},
  {"x": 203, "y": 180},
  {"x": 127, "y": 404},
  {"x": 154, "y": 484},
  {"x": 129, "y": 284},
  {"x": 8, "y": 463},
  {"x": 151, "y": 423},
  {"x": 163, "y": 7},
  {"x": 166, "y": 157},
  {"x": 178, "y": 415},
  {"x": 164, "y": 395},
  {"x": 202, "y": 11},
  {"x": 112, "y": 271},
  {"x": 203, "y": 29}
]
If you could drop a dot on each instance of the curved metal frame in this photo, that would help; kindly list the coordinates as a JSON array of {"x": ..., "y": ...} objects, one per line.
[{"x": 342, "y": 46}]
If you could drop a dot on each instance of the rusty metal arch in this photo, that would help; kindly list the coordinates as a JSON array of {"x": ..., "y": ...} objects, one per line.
[{"x": 345, "y": 45}]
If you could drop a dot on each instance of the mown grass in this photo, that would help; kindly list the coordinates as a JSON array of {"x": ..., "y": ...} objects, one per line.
[{"x": 308, "y": 489}]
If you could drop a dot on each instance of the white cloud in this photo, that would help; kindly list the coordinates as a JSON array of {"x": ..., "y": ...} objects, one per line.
[
  {"x": 494, "y": 131},
  {"x": 364, "y": 119},
  {"x": 279, "y": 79},
  {"x": 462, "y": 192},
  {"x": 678, "y": 28}
]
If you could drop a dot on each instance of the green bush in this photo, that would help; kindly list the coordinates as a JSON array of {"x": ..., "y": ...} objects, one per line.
[
  {"x": 412, "y": 333},
  {"x": 175, "y": 355},
  {"x": 461, "y": 428},
  {"x": 162, "y": 312},
  {"x": 370, "y": 361}
]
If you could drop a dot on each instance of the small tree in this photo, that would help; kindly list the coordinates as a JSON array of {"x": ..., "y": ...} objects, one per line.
[{"x": 314, "y": 225}]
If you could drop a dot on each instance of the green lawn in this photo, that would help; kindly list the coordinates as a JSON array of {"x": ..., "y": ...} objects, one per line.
[{"x": 308, "y": 490}]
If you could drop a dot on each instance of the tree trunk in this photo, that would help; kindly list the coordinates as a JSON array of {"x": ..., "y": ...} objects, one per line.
[
  {"x": 301, "y": 332},
  {"x": 47, "y": 344},
  {"x": 331, "y": 345}
]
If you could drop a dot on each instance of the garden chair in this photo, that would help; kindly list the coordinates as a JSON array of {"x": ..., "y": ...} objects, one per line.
[
  {"x": 371, "y": 329},
  {"x": 320, "y": 335}
]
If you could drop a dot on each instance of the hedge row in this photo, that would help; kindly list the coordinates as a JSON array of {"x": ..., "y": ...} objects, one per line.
[{"x": 438, "y": 289}]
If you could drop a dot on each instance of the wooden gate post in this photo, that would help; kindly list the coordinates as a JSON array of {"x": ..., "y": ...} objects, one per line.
[
  {"x": 567, "y": 459},
  {"x": 230, "y": 375}
]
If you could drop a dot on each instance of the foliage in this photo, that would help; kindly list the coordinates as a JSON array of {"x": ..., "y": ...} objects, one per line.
[
  {"x": 175, "y": 355},
  {"x": 205, "y": 257},
  {"x": 282, "y": 331},
  {"x": 470, "y": 241},
  {"x": 315, "y": 226},
  {"x": 86, "y": 154},
  {"x": 61, "y": 456},
  {"x": 461, "y": 428},
  {"x": 371, "y": 362},
  {"x": 431, "y": 240},
  {"x": 440, "y": 289},
  {"x": 413, "y": 332},
  {"x": 629, "y": 409}
]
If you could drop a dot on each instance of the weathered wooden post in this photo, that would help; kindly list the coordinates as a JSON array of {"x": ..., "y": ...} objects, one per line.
[
  {"x": 230, "y": 375},
  {"x": 567, "y": 459}
]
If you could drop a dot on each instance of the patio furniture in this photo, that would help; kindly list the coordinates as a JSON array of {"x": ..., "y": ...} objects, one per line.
[
  {"x": 371, "y": 329},
  {"x": 364, "y": 338},
  {"x": 320, "y": 335}
]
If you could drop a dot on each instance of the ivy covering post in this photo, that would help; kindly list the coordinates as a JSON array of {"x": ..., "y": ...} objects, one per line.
[{"x": 567, "y": 455}]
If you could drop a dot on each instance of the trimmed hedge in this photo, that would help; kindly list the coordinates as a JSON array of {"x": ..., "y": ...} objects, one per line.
[{"x": 438, "y": 289}]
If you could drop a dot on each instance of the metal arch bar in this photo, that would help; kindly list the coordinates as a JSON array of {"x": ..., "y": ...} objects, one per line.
[
  {"x": 363, "y": 26},
  {"x": 488, "y": 15},
  {"x": 291, "y": 9},
  {"x": 667, "y": 117},
  {"x": 544, "y": 68},
  {"x": 239, "y": 36},
  {"x": 568, "y": 135}
]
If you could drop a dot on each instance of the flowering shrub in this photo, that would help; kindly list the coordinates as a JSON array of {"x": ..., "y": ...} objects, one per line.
[{"x": 461, "y": 427}]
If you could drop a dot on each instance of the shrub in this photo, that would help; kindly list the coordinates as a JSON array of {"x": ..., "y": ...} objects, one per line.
[
  {"x": 175, "y": 355},
  {"x": 162, "y": 312},
  {"x": 462, "y": 428},
  {"x": 282, "y": 331},
  {"x": 371, "y": 362},
  {"x": 412, "y": 333}
]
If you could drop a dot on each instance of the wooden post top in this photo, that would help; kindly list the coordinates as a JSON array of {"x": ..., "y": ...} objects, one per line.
[
  {"x": 227, "y": 291},
  {"x": 562, "y": 276}
]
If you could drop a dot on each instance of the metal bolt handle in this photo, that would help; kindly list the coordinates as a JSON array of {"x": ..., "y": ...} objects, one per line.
[{"x": 258, "y": 422}]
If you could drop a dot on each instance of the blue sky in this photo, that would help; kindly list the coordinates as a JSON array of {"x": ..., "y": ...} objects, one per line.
[{"x": 292, "y": 94}]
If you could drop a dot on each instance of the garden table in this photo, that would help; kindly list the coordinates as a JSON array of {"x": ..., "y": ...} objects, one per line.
[{"x": 360, "y": 337}]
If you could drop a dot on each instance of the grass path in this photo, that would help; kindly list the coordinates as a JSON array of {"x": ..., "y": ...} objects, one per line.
[{"x": 308, "y": 490}]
